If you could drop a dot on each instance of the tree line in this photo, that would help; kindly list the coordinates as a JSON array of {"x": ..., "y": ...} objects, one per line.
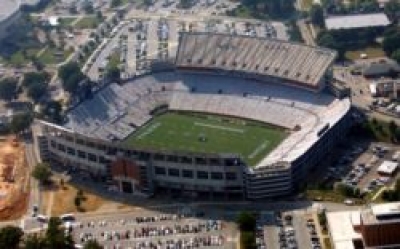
[{"x": 54, "y": 237}]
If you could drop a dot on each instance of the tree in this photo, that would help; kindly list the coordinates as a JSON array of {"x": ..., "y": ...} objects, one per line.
[
  {"x": 56, "y": 237},
  {"x": 42, "y": 173},
  {"x": 88, "y": 8},
  {"x": 246, "y": 221},
  {"x": 392, "y": 9},
  {"x": 34, "y": 242},
  {"x": 8, "y": 89},
  {"x": 115, "y": 3},
  {"x": 99, "y": 16},
  {"x": 113, "y": 73},
  {"x": 317, "y": 15},
  {"x": 92, "y": 244},
  {"x": 71, "y": 75},
  {"x": 10, "y": 237},
  {"x": 52, "y": 111},
  {"x": 36, "y": 91},
  {"x": 396, "y": 55},
  {"x": 391, "y": 41},
  {"x": 20, "y": 122}
]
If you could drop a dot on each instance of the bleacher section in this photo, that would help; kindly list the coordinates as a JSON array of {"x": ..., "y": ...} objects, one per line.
[{"x": 299, "y": 64}]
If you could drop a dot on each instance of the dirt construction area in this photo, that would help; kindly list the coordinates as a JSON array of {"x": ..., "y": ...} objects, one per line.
[{"x": 14, "y": 179}]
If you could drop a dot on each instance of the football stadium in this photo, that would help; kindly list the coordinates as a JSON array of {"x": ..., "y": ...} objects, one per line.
[{"x": 233, "y": 117}]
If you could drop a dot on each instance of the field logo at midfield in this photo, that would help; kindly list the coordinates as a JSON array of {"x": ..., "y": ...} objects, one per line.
[
  {"x": 148, "y": 131},
  {"x": 259, "y": 149},
  {"x": 219, "y": 127}
]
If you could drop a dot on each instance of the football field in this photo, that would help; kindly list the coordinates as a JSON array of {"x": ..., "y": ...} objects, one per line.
[{"x": 208, "y": 133}]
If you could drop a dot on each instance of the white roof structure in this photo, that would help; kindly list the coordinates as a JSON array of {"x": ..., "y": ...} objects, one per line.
[
  {"x": 387, "y": 167},
  {"x": 53, "y": 21},
  {"x": 357, "y": 21},
  {"x": 298, "y": 64},
  {"x": 341, "y": 227}
]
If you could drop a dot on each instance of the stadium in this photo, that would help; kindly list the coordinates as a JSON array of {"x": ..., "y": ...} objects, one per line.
[{"x": 235, "y": 117}]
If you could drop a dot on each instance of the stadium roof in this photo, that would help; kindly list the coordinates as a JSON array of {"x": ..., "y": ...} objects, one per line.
[
  {"x": 8, "y": 7},
  {"x": 356, "y": 21},
  {"x": 298, "y": 63}
]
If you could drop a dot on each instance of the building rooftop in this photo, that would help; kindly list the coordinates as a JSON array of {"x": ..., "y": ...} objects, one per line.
[
  {"x": 356, "y": 21},
  {"x": 341, "y": 227},
  {"x": 387, "y": 167},
  {"x": 303, "y": 65}
]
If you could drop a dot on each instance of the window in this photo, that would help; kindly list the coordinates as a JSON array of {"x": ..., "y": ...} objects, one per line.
[
  {"x": 81, "y": 154},
  {"x": 173, "y": 172},
  {"x": 71, "y": 151},
  {"x": 216, "y": 175},
  {"x": 53, "y": 144},
  {"x": 187, "y": 173},
  {"x": 230, "y": 176},
  {"x": 159, "y": 171},
  {"x": 202, "y": 175},
  {"x": 92, "y": 157},
  {"x": 61, "y": 147}
]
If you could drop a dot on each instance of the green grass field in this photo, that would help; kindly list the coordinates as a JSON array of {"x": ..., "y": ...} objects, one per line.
[{"x": 208, "y": 134}]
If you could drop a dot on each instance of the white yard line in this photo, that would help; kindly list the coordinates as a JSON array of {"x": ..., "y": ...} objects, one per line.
[{"x": 219, "y": 127}]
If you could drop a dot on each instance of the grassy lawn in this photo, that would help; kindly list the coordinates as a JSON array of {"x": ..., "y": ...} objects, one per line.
[
  {"x": 372, "y": 52},
  {"x": 89, "y": 22},
  {"x": 18, "y": 58},
  {"x": 53, "y": 56},
  {"x": 208, "y": 134},
  {"x": 306, "y": 4},
  {"x": 63, "y": 201},
  {"x": 66, "y": 21}
]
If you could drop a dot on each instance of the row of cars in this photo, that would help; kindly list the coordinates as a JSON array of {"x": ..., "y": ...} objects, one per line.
[
  {"x": 315, "y": 242},
  {"x": 260, "y": 239},
  {"x": 287, "y": 237}
]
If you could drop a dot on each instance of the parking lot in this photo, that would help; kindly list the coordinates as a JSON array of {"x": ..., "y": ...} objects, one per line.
[
  {"x": 288, "y": 230},
  {"x": 357, "y": 166},
  {"x": 154, "y": 230}
]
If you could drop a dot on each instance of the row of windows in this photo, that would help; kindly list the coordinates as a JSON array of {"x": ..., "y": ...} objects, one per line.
[
  {"x": 81, "y": 154},
  {"x": 199, "y": 174}
]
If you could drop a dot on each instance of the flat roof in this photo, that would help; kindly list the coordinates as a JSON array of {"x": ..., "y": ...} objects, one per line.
[
  {"x": 356, "y": 21},
  {"x": 387, "y": 167},
  {"x": 299, "y": 63},
  {"x": 341, "y": 227}
]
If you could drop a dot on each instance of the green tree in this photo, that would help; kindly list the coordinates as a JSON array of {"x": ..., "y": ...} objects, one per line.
[
  {"x": 20, "y": 122},
  {"x": 391, "y": 41},
  {"x": 88, "y": 7},
  {"x": 71, "y": 75},
  {"x": 317, "y": 15},
  {"x": 392, "y": 9},
  {"x": 10, "y": 237},
  {"x": 8, "y": 89},
  {"x": 115, "y": 3},
  {"x": 396, "y": 55},
  {"x": 56, "y": 237},
  {"x": 247, "y": 240},
  {"x": 42, "y": 173},
  {"x": 92, "y": 244},
  {"x": 34, "y": 242},
  {"x": 114, "y": 74},
  {"x": 36, "y": 91},
  {"x": 246, "y": 221},
  {"x": 52, "y": 111}
]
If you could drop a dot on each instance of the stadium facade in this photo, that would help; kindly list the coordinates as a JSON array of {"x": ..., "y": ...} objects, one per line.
[{"x": 276, "y": 82}]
